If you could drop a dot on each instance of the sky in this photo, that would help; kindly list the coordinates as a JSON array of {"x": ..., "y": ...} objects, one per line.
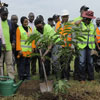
[{"x": 48, "y": 8}]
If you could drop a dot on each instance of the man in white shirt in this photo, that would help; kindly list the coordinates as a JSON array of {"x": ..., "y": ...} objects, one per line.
[
  {"x": 34, "y": 58},
  {"x": 31, "y": 20}
]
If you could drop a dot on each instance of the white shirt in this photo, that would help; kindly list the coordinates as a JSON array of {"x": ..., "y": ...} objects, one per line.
[{"x": 31, "y": 25}]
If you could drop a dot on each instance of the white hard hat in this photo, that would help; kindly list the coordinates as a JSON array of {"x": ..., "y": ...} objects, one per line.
[{"x": 64, "y": 12}]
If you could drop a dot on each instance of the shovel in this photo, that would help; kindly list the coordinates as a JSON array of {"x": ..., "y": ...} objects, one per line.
[{"x": 46, "y": 86}]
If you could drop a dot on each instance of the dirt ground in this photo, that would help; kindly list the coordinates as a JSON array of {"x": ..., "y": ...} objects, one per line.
[
  {"x": 31, "y": 89},
  {"x": 28, "y": 88}
]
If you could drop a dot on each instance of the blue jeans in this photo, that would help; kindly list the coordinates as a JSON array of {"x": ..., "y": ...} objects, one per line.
[
  {"x": 0, "y": 47},
  {"x": 86, "y": 58}
]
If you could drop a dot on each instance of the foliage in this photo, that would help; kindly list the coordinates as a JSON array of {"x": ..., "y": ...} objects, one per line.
[
  {"x": 65, "y": 53},
  {"x": 61, "y": 87}
]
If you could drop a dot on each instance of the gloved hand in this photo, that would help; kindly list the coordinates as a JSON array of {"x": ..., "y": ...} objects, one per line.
[{"x": 4, "y": 47}]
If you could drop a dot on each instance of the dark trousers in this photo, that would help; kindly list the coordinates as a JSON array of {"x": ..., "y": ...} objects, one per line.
[
  {"x": 76, "y": 69},
  {"x": 96, "y": 60},
  {"x": 76, "y": 73},
  {"x": 65, "y": 68},
  {"x": 24, "y": 68},
  {"x": 66, "y": 72},
  {"x": 86, "y": 58},
  {"x": 0, "y": 47},
  {"x": 47, "y": 68},
  {"x": 46, "y": 64},
  {"x": 15, "y": 53},
  {"x": 33, "y": 64},
  {"x": 14, "y": 57}
]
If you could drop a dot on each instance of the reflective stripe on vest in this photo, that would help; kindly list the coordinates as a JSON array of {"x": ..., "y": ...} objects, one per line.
[
  {"x": 23, "y": 40},
  {"x": 98, "y": 34},
  {"x": 57, "y": 26},
  {"x": 26, "y": 46},
  {"x": 89, "y": 37},
  {"x": 62, "y": 29},
  {"x": 24, "y": 37},
  {"x": 86, "y": 42}
]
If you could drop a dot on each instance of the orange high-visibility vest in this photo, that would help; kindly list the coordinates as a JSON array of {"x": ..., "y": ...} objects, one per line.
[
  {"x": 57, "y": 25},
  {"x": 98, "y": 34},
  {"x": 62, "y": 29}
]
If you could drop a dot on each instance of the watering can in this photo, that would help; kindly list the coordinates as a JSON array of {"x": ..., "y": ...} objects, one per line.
[{"x": 7, "y": 86}]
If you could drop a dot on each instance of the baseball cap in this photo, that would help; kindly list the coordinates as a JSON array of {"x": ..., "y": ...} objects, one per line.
[{"x": 85, "y": 8}]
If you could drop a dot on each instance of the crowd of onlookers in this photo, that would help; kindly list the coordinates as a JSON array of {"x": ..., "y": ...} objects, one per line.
[{"x": 14, "y": 51}]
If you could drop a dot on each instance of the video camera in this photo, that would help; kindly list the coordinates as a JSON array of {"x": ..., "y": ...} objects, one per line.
[{"x": 3, "y": 4}]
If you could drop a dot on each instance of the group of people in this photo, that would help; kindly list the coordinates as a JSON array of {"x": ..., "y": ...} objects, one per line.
[{"x": 14, "y": 51}]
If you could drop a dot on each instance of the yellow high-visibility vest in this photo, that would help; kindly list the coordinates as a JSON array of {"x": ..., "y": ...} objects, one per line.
[
  {"x": 24, "y": 37},
  {"x": 89, "y": 37}
]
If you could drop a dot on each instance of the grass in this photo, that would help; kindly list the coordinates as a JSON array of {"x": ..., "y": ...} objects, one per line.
[
  {"x": 78, "y": 91},
  {"x": 87, "y": 91}
]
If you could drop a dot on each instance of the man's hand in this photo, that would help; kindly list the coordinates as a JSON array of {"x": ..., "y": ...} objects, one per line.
[
  {"x": 20, "y": 53},
  {"x": 49, "y": 47},
  {"x": 98, "y": 48},
  {"x": 33, "y": 50},
  {"x": 46, "y": 52},
  {"x": 38, "y": 44},
  {"x": 72, "y": 48},
  {"x": 43, "y": 59},
  {"x": 13, "y": 45},
  {"x": 4, "y": 47},
  {"x": 78, "y": 22}
]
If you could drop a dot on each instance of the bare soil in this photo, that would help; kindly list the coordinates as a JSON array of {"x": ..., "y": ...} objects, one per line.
[{"x": 31, "y": 89}]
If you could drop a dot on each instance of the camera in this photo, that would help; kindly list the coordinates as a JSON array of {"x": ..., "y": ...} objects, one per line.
[{"x": 3, "y": 4}]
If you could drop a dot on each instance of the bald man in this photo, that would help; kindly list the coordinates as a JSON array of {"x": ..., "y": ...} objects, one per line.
[{"x": 31, "y": 17}]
